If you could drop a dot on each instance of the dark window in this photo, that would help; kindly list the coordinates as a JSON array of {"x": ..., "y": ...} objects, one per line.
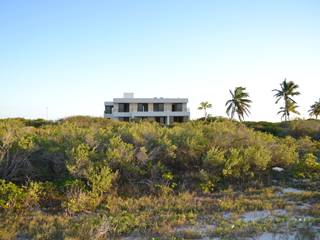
[
  {"x": 125, "y": 119},
  {"x": 108, "y": 109},
  {"x": 123, "y": 107},
  {"x": 142, "y": 107},
  {"x": 161, "y": 120},
  {"x": 178, "y": 119},
  {"x": 138, "y": 119},
  {"x": 177, "y": 107},
  {"x": 158, "y": 107}
]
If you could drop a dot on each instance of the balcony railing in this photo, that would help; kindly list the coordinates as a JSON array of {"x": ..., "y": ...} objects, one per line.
[{"x": 150, "y": 114}]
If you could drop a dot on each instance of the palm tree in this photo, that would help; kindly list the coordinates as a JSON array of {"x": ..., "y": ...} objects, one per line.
[
  {"x": 315, "y": 109},
  {"x": 290, "y": 107},
  {"x": 240, "y": 103},
  {"x": 286, "y": 92},
  {"x": 204, "y": 106}
]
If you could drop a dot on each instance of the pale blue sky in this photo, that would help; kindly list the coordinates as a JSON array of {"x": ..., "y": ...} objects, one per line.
[{"x": 72, "y": 55}]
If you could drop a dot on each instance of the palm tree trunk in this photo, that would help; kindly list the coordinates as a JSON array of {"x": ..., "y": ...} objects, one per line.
[{"x": 286, "y": 116}]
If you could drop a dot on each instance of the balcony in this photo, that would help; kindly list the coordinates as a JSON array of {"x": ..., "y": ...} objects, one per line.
[{"x": 150, "y": 114}]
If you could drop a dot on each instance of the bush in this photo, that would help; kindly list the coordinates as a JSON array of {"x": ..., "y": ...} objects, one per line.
[
  {"x": 87, "y": 198},
  {"x": 101, "y": 179},
  {"x": 99, "y": 154},
  {"x": 214, "y": 159},
  {"x": 79, "y": 161},
  {"x": 246, "y": 163},
  {"x": 13, "y": 197},
  {"x": 307, "y": 167},
  {"x": 295, "y": 128},
  {"x": 80, "y": 201},
  {"x": 121, "y": 158},
  {"x": 207, "y": 181},
  {"x": 283, "y": 156},
  {"x": 140, "y": 175},
  {"x": 237, "y": 167}
]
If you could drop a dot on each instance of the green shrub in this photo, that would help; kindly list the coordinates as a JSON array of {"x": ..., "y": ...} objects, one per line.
[
  {"x": 80, "y": 201},
  {"x": 258, "y": 157},
  {"x": 101, "y": 180},
  {"x": 214, "y": 159},
  {"x": 284, "y": 153},
  {"x": 207, "y": 182},
  {"x": 34, "y": 193},
  {"x": 191, "y": 145},
  {"x": 237, "y": 167},
  {"x": 98, "y": 154},
  {"x": 79, "y": 161},
  {"x": 307, "y": 167},
  {"x": 121, "y": 158},
  {"x": 13, "y": 197},
  {"x": 246, "y": 163},
  {"x": 87, "y": 198},
  {"x": 295, "y": 128}
]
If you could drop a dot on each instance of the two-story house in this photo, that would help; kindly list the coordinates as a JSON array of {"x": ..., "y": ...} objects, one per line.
[{"x": 162, "y": 110}]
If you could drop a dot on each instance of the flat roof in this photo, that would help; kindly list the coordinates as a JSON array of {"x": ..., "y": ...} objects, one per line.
[
  {"x": 150, "y": 100},
  {"x": 108, "y": 103}
]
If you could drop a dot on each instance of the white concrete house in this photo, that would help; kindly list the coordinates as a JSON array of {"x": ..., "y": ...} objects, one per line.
[{"x": 162, "y": 110}]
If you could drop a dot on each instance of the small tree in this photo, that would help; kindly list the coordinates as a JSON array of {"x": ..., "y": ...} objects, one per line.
[
  {"x": 290, "y": 107},
  {"x": 240, "y": 103},
  {"x": 204, "y": 106},
  {"x": 315, "y": 109},
  {"x": 286, "y": 92}
]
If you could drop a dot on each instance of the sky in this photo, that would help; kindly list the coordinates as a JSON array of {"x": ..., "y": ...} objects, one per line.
[{"x": 63, "y": 58}]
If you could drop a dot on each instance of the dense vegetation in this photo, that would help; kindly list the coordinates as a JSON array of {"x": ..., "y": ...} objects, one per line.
[
  {"x": 117, "y": 177},
  {"x": 296, "y": 128}
]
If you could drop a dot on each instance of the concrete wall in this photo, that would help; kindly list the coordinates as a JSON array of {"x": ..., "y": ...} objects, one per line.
[
  {"x": 133, "y": 107},
  {"x": 184, "y": 107},
  {"x": 150, "y": 107},
  {"x": 167, "y": 107},
  {"x": 115, "y": 107}
]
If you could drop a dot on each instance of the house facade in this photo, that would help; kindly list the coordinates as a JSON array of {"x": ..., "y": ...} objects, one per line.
[{"x": 162, "y": 110}]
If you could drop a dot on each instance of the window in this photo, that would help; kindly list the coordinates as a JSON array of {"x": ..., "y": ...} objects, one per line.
[
  {"x": 142, "y": 107},
  {"x": 108, "y": 109},
  {"x": 177, "y": 107},
  {"x": 158, "y": 107},
  {"x": 161, "y": 120},
  {"x": 125, "y": 119},
  {"x": 140, "y": 119},
  {"x": 178, "y": 119},
  {"x": 123, "y": 107}
]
